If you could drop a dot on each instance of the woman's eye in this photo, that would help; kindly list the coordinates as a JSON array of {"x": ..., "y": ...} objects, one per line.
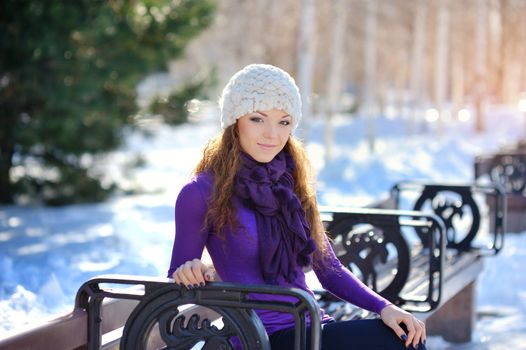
[
  {"x": 285, "y": 122},
  {"x": 256, "y": 119}
]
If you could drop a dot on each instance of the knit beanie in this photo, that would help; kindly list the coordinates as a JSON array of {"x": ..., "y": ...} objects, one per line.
[{"x": 259, "y": 87}]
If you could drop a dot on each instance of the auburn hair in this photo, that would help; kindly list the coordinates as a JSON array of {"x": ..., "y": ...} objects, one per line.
[{"x": 222, "y": 158}]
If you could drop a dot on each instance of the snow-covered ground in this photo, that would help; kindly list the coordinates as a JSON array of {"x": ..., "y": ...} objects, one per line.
[{"x": 46, "y": 253}]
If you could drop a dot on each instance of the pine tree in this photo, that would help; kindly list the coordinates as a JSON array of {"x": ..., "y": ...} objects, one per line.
[{"x": 68, "y": 73}]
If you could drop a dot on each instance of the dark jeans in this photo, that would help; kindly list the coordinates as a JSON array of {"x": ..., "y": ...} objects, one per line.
[{"x": 347, "y": 335}]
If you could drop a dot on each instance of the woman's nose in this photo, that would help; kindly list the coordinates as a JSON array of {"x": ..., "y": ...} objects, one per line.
[{"x": 270, "y": 131}]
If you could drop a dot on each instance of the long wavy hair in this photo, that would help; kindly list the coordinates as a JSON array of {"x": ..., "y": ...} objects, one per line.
[{"x": 222, "y": 157}]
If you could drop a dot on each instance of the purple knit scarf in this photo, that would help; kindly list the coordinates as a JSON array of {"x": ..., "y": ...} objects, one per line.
[{"x": 283, "y": 233}]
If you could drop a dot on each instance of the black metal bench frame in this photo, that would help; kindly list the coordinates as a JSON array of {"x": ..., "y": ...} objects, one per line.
[
  {"x": 156, "y": 302},
  {"x": 507, "y": 168},
  {"x": 161, "y": 299},
  {"x": 454, "y": 318},
  {"x": 448, "y": 210},
  {"x": 366, "y": 250}
]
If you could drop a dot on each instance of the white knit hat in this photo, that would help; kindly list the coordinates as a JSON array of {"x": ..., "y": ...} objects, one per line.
[{"x": 259, "y": 87}]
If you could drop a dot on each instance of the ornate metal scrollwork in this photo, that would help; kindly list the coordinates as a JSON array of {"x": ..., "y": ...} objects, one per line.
[
  {"x": 369, "y": 249},
  {"x": 162, "y": 309},
  {"x": 509, "y": 171},
  {"x": 177, "y": 335},
  {"x": 158, "y": 320},
  {"x": 454, "y": 205},
  {"x": 374, "y": 243},
  {"x": 505, "y": 168},
  {"x": 365, "y": 250}
]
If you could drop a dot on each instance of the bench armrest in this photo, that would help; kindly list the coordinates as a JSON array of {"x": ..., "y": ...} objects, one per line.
[
  {"x": 506, "y": 168},
  {"x": 370, "y": 243},
  {"x": 453, "y": 203},
  {"x": 161, "y": 304}
]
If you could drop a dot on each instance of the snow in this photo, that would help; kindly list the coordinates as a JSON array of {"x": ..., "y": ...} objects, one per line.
[{"x": 46, "y": 253}]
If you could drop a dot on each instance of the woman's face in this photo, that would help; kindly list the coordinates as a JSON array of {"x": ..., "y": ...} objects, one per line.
[{"x": 263, "y": 134}]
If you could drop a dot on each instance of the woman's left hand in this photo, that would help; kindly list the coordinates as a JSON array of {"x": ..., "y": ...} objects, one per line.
[{"x": 393, "y": 316}]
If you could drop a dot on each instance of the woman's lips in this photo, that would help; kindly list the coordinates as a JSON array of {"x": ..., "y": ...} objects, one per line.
[{"x": 265, "y": 146}]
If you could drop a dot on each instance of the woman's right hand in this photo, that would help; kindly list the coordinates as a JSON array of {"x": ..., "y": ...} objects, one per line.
[{"x": 194, "y": 274}]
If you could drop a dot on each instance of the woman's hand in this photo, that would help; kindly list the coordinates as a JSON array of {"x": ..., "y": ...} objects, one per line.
[
  {"x": 393, "y": 316},
  {"x": 193, "y": 274}
]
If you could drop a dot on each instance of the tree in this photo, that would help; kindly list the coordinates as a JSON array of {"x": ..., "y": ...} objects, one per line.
[
  {"x": 305, "y": 61},
  {"x": 174, "y": 108},
  {"x": 68, "y": 73},
  {"x": 371, "y": 55}
]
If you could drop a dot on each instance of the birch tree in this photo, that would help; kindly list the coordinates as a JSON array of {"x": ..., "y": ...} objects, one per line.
[
  {"x": 417, "y": 57},
  {"x": 480, "y": 63},
  {"x": 441, "y": 57},
  {"x": 370, "y": 70},
  {"x": 306, "y": 48},
  {"x": 335, "y": 74}
]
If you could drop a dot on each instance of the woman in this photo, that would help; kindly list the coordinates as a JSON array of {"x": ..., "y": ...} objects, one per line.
[{"x": 252, "y": 206}]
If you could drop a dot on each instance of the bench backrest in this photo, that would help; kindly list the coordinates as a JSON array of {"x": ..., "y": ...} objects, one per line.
[
  {"x": 161, "y": 313},
  {"x": 372, "y": 244},
  {"x": 158, "y": 310},
  {"x": 453, "y": 203}
]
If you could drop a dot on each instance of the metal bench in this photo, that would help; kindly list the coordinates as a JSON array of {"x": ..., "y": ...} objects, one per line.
[
  {"x": 507, "y": 168},
  {"x": 371, "y": 243},
  {"x": 418, "y": 260},
  {"x": 178, "y": 318},
  {"x": 172, "y": 316},
  {"x": 457, "y": 207}
]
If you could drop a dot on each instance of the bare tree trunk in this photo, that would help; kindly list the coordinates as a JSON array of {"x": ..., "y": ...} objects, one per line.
[
  {"x": 441, "y": 73},
  {"x": 458, "y": 45},
  {"x": 370, "y": 70},
  {"x": 335, "y": 75},
  {"x": 480, "y": 64},
  {"x": 511, "y": 50},
  {"x": 458, "y": 80},
  {"x": 503, "y": 50},
  {"x": 416, "y": 83},
  {"x": 306, "y": 49}
]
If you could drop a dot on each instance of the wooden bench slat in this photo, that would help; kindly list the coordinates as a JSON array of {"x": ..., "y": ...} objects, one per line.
[{"x": 65, "y": 332}]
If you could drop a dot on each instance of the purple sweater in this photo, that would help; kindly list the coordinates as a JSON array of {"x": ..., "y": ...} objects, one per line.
[{"x": 237, "y": 261}]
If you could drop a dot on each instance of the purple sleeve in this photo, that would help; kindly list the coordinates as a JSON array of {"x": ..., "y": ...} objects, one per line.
[
  {"x": 338, "y": 280},
  {"x": 190, "y": 237}
]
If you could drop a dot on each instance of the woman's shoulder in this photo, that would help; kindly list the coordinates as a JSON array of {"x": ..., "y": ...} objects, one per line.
[
  {"x": 199, "y": 185},
  {"x": 204, "y": 180}
]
